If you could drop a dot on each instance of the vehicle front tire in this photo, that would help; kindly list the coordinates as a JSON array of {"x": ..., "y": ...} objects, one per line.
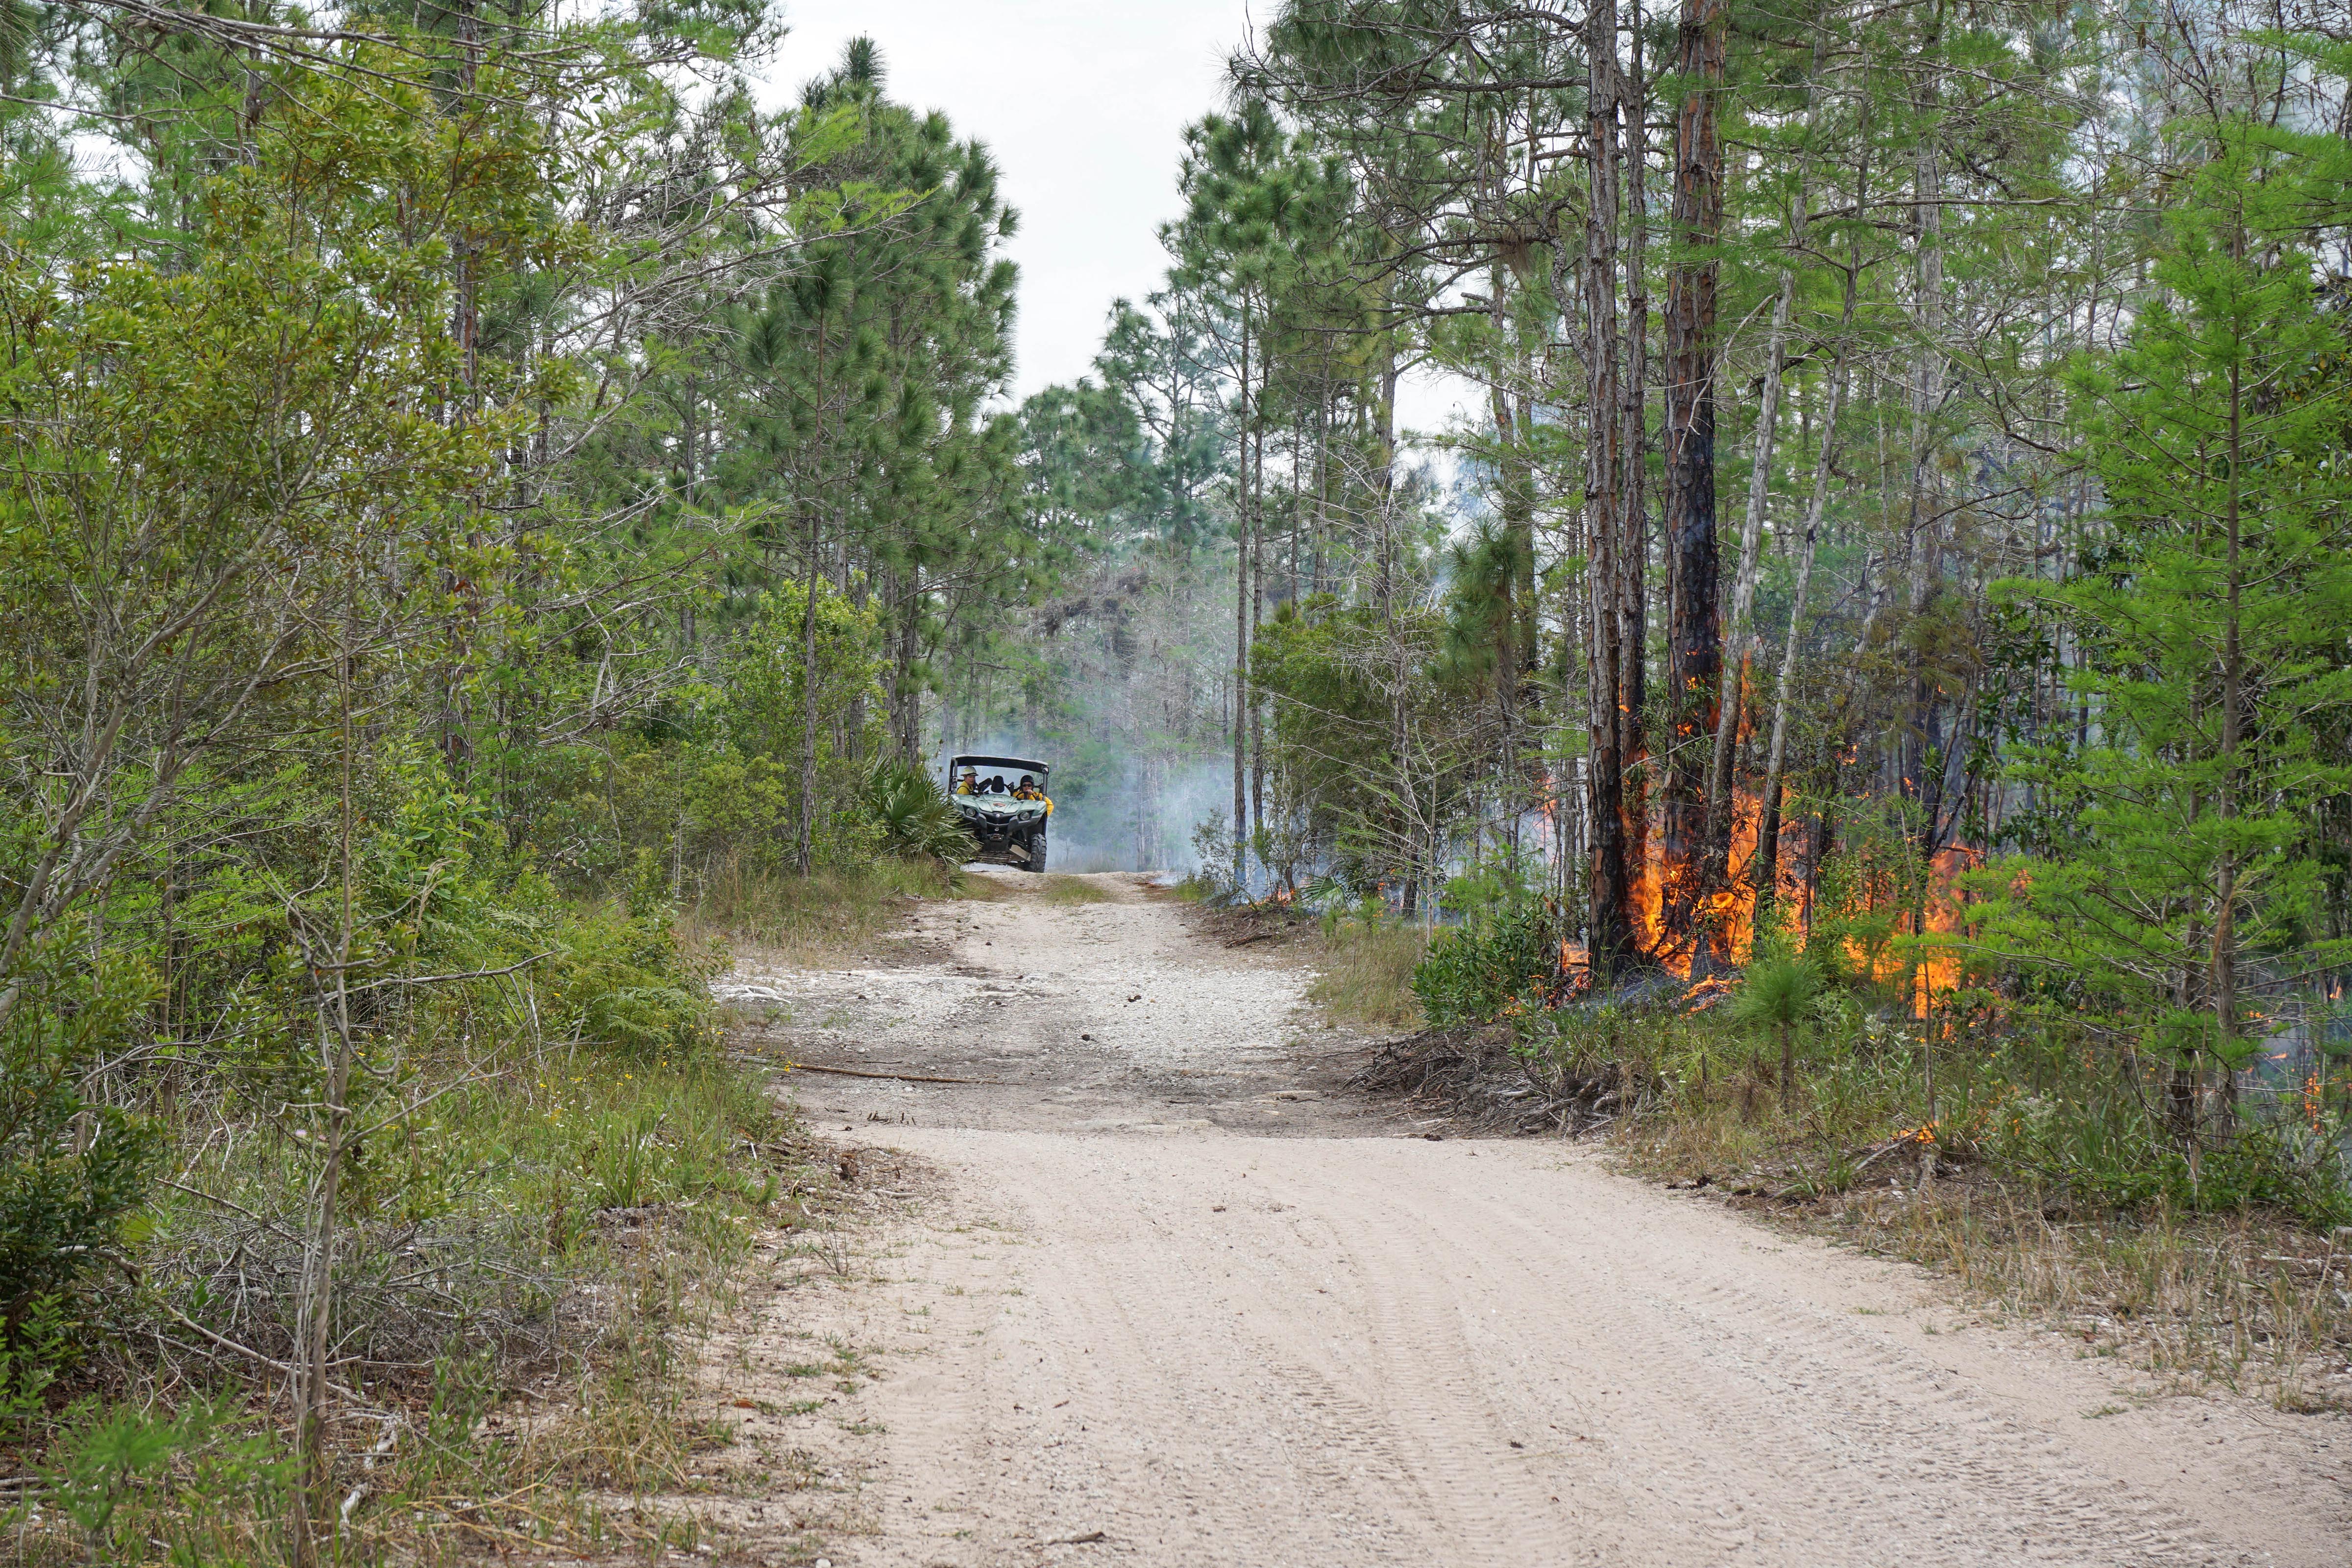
[{"x": 1037, "y": 853}]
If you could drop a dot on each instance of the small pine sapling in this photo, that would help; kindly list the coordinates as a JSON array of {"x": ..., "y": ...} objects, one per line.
[{"x": 1778, "y": 987}]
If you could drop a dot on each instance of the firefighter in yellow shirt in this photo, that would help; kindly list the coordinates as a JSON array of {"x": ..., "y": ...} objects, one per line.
[{"x": 1027, "y": 790}]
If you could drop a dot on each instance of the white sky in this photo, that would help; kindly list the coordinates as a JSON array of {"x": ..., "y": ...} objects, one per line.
[{"x": 1084, "y": 103}]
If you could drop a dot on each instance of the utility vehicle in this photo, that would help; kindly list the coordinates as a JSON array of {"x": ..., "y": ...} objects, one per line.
[{"x": 1011, "y": 830}]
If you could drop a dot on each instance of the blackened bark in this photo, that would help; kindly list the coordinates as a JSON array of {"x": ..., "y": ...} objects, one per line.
[{"x": 1695, "y": 629}]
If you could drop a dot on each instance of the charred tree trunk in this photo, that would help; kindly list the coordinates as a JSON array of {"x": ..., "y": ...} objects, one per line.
[
  {"x": 1722, "y": 809},
  {"x": 1694, "y": 630}
]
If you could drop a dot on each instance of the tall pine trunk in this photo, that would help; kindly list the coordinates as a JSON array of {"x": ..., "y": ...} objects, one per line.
[
  {"x": 1765, "y": 871},
  {"x": 1721, "y": 804},
  {"x": 1242, "y": 628},
  {"x": 1695, "y": 631},
  {"x": 1257, "y": 439},
  {"x": 906, "y": 681},
  {"x": 1633, "y": 514},
  {"x": 2225, "y": 900},
  {"x": 1921, "y": 776},
  {"x": 1609, "y": 931}
]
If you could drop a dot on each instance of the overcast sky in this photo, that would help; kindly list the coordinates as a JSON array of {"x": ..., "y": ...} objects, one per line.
[{"x": 1084, "y": 102}]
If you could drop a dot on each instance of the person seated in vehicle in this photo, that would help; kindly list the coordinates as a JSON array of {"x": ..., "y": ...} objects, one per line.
[
  {"x": 969, "y": 784},
  {"x": 1028, "y": 790}
]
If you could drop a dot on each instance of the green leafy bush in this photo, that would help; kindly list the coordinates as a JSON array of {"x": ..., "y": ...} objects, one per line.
[
  {"x": 1491, "y": 967},
  {"x": 625, "y": 980},
  {"x": 73, "y": 1169}
]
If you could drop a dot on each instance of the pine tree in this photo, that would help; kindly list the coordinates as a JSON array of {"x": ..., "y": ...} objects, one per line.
[{"x": 2211, "y": 612}]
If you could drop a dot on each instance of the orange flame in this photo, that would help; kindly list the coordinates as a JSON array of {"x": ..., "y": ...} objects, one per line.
[{"x": 1731, "y": 910}]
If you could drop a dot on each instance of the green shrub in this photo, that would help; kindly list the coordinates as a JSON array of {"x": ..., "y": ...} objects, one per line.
[
  {"x": 625, "y": 980},
  {"x": 1775, "y": 993},
  {"x": 1491, "y": 967},
  {"x": 73, "y": 1169},
  {"x": 2108, "y": 1152}
]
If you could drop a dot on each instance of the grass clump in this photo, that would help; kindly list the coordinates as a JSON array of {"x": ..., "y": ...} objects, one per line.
[
  {"x": 1364, "y": 973},
  {"x": 830, "y": 914},
  {"x": 1194, "y": 888},
  {"x": 1074, "y": 890}
]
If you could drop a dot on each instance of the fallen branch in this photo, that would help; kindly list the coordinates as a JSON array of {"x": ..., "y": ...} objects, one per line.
[
  {"x": 901, "y": 1077},
  {"x": 274, "y": 1364},
  {"x": 1476, "y": 1074},
  {"x": 1872, "y": 1158}
]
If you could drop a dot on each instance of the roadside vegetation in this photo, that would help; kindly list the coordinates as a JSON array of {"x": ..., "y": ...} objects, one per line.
[
  {"x": 419, "y": 671},
  {"x": 1364, "y": 971},
  {"x": 827, "y": 916}
]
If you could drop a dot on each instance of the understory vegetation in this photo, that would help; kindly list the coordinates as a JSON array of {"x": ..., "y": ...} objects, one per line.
[
  {"x": 481, "y": 500},
  {"x": 2003, "y": 1147}
]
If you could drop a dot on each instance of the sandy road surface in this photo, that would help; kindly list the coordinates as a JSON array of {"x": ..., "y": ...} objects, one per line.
[{"x": 1171, "y": 1297}]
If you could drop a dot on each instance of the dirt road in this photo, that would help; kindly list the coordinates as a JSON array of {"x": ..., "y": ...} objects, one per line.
[{"x": 1170, "y": 1296}]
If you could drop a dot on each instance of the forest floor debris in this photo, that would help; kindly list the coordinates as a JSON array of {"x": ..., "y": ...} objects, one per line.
[{"x": 1475, "y": 1074}]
